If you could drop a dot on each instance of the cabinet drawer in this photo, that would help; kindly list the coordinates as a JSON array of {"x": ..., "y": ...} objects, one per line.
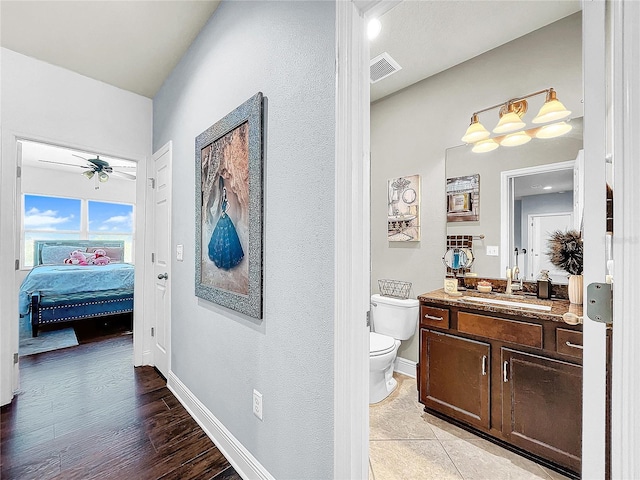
[
  {"x": 569, "y": 342},
  {"x": 520, "y": 333},
  {"x": 434, "y": 317}
]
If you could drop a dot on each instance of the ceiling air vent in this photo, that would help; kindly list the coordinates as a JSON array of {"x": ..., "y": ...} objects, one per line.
[{"x": 382, "y": 66}]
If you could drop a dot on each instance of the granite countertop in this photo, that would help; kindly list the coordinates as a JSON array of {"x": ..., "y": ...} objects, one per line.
[{"x": 558, "y": 306}]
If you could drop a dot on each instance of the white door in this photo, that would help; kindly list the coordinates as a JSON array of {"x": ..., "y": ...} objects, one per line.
[
  {"x": 161, "y": 235},
  {"x": 596, "y": 86},
  {"x": 540, "y": 227}
]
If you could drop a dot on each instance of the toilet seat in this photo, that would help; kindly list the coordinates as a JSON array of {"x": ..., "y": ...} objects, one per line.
[{"x": 380, "y": 344}]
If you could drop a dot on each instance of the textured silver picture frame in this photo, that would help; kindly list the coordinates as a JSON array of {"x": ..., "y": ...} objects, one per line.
[{"x": 229, "y": 210}]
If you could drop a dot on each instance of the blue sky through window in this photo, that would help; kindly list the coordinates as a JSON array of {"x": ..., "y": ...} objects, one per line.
[
  {"x": 110, "y": 217},
  {"x": 51, "y": 213}
]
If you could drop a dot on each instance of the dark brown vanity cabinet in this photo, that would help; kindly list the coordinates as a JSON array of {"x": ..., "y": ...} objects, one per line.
[
  {"x": 517, "y": 379},
  {"x": 541, "y": 405},
  {"x": 456, "y": 377}
]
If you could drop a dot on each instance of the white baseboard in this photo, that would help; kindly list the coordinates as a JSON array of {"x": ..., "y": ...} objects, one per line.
[
  {"x": 239, "y": 457},
  {"x": 406, "y": 367}
]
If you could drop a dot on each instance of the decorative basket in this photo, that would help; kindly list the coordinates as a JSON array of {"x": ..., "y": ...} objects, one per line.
[{"x": 394, "y": 288}]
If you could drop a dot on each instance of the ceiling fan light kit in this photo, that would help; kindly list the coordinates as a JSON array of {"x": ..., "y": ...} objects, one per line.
[
  {"x": 97, "y": 167},
  {"x": 510, "y": 120}
]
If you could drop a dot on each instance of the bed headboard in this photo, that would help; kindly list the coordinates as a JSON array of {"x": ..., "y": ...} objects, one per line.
[{"x": 83, "y": 244}]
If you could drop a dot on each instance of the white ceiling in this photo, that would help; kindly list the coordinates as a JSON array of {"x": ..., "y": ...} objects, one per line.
[
  {"x": 40, "y": 155},
  {"x": 133, "y": 45},
  {"x": 559, "y": 181},
  {"x": 428, "y": 37}
]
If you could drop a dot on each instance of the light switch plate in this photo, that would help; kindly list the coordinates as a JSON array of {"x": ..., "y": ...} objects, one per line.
[
  {"x": 180, "y": 253},
  {"x": 492, "y": 250}
]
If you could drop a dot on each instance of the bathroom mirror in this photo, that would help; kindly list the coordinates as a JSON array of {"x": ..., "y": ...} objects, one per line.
[{"x": 524, "y": 193}]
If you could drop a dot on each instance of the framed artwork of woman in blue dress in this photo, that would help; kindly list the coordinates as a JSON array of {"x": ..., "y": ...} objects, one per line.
[{"x": 229, "y": 210}]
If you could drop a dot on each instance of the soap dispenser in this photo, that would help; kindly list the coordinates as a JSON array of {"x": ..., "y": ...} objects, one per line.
[{"x": 544, "y": 284}]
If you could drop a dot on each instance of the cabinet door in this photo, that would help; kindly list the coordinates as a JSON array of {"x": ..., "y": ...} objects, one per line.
[
  {"x": 454, "y": 377},
  {"x": 542, "y": 406}
]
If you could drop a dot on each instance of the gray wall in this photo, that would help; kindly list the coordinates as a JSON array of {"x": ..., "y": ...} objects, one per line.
[
  {"x": 411, "y": 130},
  {"x": 287, "y": 51}
]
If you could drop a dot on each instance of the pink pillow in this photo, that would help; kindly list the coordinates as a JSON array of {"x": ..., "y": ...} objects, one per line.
[{"x": 115, "y": 254}]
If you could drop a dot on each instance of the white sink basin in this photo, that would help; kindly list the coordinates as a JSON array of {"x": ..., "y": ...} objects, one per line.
[{"x": 507, "y": 303}]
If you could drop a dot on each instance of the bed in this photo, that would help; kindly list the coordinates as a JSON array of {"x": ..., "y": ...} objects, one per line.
[{"x": 57, "y": 292}]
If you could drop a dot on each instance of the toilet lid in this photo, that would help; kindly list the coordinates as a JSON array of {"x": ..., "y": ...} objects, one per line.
[{"x": 380, "y": 344}]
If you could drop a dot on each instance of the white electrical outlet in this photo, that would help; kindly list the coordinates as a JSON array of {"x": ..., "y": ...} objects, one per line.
[
  {"x": 257, "y": 404},
  {"x": 492, "y": 251}
]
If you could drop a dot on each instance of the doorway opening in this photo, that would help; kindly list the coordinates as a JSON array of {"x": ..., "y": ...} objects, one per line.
[
  {"x": 76, "y": 239},
  {"x": 535, "y": 202}
]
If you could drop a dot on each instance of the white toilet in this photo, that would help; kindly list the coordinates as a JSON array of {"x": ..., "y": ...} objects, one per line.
[{"x": 392, "y": 320}]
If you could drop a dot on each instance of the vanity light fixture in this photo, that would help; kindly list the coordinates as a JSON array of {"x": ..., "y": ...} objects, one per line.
[
  {"x": 484, "y": 146},
  {"x": 552, "y": 109},
  {"x": 511, "y": 113},
  {"x": 511, "y": 117},
  {"x": 553, "y": 130},
  {"x": 515, "y": 139},
  {"x": 476, "y": 131}
]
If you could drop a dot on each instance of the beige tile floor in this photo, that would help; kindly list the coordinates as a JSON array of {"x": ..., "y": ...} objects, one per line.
[{"x": 406, "y": 444}]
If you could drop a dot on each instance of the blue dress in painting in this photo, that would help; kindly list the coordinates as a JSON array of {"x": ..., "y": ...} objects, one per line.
[{"x": 225, "y": 249}]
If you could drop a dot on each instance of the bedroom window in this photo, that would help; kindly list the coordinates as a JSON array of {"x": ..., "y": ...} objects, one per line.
[
  {"x": 112, "y": 221},
  {"x": 49, "y": 218},
  {"x": 58, "y": 218}
]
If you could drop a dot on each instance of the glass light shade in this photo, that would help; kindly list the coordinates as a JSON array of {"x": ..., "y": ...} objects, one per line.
[
  {"x": 484, "y": 146},
  {"x": 509, "y": 122},
  {"x": 373, "y": 28},
  {"x": 554, "y": 130},
  {"x": 475, "y": 132},
  {"x": 103, "y": 177},
  {"x": 89, "y": 174},
  {"x": 552, "y": 109},
  {"x": 515, "y": 139}
]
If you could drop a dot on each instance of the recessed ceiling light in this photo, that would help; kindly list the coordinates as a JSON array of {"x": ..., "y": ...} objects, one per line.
[
  {"x": 548, "y": 187},
  {"x": 373, "y": 28}
]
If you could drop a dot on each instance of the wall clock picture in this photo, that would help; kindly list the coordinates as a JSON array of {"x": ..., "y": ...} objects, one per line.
[{"x": 403, "y": 215}]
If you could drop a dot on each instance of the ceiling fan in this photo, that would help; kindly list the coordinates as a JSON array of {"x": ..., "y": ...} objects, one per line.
[{"x": 98, "y": 167}]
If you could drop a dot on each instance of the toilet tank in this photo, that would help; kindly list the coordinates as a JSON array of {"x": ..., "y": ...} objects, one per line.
[{"x": 395, "y": 317}]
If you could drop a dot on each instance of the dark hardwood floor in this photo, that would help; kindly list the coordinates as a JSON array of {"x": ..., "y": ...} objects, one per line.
[{"x": 85, "y": 413}]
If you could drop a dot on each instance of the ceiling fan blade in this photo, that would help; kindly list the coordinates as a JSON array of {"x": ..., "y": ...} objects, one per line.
[
  {"x": 96, "y": 162},
  {"x": 124, "y": 175},
  {"x": 66, "y": 164}
]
